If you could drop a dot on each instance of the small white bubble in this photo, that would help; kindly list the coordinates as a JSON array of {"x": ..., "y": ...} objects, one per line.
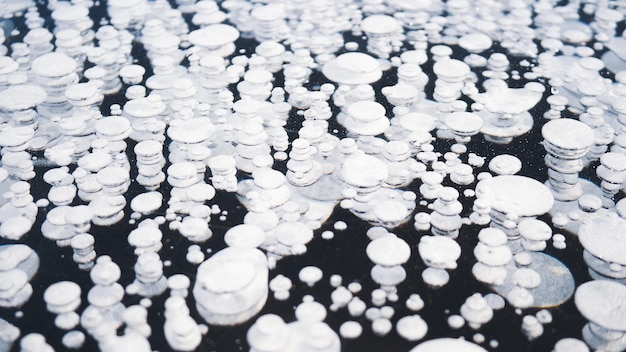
[{"x": 340, "y": 226}]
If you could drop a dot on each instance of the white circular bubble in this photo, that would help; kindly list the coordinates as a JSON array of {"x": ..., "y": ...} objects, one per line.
[
  {"x": 310, "y": 275},
  {"x": 381, "y": 326},
  {"x": 412, "y": 327},
  {"x": 350, "y": 330},
  {"x": 146, "y": 203},
  {"x": 456, "y": 321}
]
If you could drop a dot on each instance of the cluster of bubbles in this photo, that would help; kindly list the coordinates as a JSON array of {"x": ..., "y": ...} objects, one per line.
[{"x": 154, "y": 140}]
